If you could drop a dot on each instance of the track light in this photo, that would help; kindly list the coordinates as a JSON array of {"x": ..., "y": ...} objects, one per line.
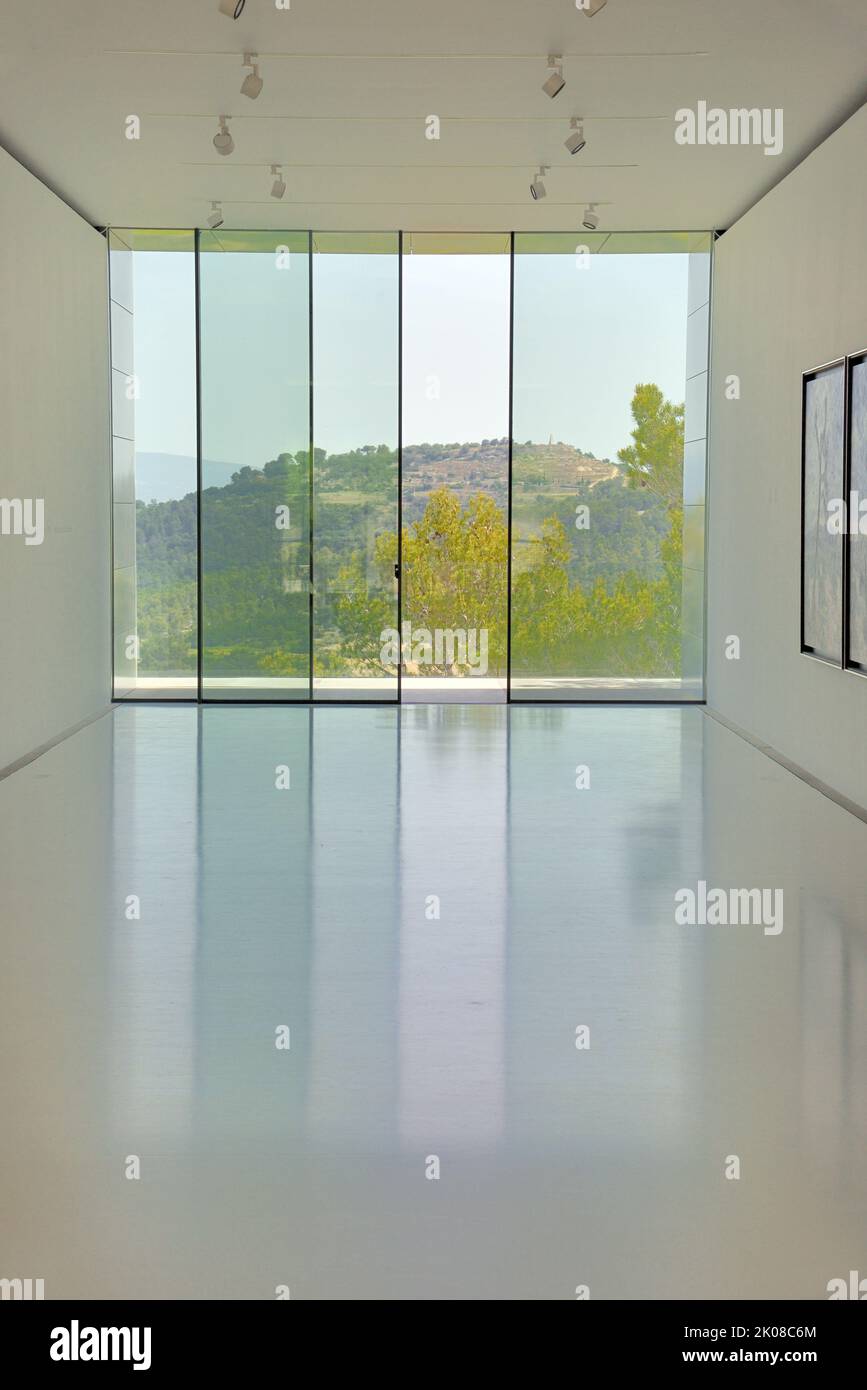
[
  {"x": 215, "y": 219},
  {"x": 537, "y": 187},
  {"x": 575, "y": 141},
  {"x": 591, "y": 7},
  {"x": 555, "y": 82},
  {"x": 591, "y": 218},
  {"x": 235, "y": 8},
  {"x": 278, "y": 187},
  {"x": 223, "y": 142},
  {"x": 252, "y": 84}
]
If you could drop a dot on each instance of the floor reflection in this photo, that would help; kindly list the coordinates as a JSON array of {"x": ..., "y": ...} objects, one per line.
[{"x": 430, "y": 906}]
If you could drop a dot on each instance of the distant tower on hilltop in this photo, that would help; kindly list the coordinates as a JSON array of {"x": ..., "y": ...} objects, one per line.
[{"x": 550, "y": 440}]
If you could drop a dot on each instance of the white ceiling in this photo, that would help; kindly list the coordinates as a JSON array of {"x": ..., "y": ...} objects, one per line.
[{"x": 348, "y": 84}]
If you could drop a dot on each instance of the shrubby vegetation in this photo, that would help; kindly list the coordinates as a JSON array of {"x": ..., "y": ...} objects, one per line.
[{"x": 601, "y": 601}]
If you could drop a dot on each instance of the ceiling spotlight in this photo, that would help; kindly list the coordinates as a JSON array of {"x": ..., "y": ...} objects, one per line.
[
  {"x": 215, "y": 219},
  {"x": 537, "y": 187},
  {"x": 278, "y": 187},
  {"x": 591, "y": 218},
  {"x": 575, "y": 141},
  {"x": 252, "y": 84},
  {"x": 591, "y": 7},
  {"x": 235, "y": 8},
  {"x": 555, "y": 82},
  {"x": 223, "y": 142}
]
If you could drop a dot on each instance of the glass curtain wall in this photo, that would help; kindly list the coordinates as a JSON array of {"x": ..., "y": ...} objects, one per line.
[
  {"x": 356, "y": 322},
  {"x": 254, "y": 353},
  {"x": 154, "y": 450},
  {"x": 609, "y": 411},
  {"x": 455, "y": 466},
  {"x": 529, "y": 455}
]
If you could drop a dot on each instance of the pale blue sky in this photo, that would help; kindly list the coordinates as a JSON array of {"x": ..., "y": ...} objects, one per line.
[{"x": 583, "y": 338}]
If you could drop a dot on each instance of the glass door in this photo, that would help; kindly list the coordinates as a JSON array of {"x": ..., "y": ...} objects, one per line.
[
  {"x": 609, "y": 393},
  {"x": 254, "y": 363},
  {"x": 355, "y": 488},
  {"x": 455, "y": 466}
]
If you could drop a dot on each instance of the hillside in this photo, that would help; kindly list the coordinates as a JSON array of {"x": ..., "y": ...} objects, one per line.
[{"x": 483, "y": 467}]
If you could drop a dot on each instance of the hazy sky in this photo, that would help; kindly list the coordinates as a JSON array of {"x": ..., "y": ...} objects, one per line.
[{"x": 583, "y": 338}]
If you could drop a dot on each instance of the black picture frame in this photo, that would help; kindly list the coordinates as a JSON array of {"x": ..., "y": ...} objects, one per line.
[
  {"x": 823, "y": 555},
  {"x": 855, "y": 543}
]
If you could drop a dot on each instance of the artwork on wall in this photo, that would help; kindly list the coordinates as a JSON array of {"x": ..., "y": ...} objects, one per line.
[
  {"x": 856, "y": 538},
  {"x": 834, "y": 513},
  {"x": 822, "y": 487}
]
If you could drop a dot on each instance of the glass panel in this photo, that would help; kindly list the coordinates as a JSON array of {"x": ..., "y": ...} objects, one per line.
[
  {"x": 153, "y": 361},
  {"x": 603, "y": 364},
  {"x": 299, "y": 544},
  {"x": 455, "y": 466},
  {"x": 355, "y": 498},
  {"x": 255, "y": 511}
]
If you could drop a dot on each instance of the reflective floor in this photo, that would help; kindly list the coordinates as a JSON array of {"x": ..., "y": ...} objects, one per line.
[{"x": 426, "y": 909}]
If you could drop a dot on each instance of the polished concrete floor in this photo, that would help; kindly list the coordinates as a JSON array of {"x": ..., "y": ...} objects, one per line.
[{"x": 413, "y": 1035}]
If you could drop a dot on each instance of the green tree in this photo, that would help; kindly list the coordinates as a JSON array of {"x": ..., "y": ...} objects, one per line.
[
  {"x": 654, "y": 459},
  {"x": 454, "y": 566}
]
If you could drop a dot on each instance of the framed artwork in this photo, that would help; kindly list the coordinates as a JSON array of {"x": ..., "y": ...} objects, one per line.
[
  {"x": 855, "y": 546},
  {"x": 823, "y": 433}
]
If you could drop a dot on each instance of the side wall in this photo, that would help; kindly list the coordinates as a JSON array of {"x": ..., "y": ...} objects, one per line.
[
  {"x": 790, "y": 292},
  {"x": 54, "y": 446}
]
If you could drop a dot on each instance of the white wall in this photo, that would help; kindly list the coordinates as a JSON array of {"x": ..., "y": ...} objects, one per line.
[
  {"x": 54, "y": 444},
  {"x": 790, "y": 292}
]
